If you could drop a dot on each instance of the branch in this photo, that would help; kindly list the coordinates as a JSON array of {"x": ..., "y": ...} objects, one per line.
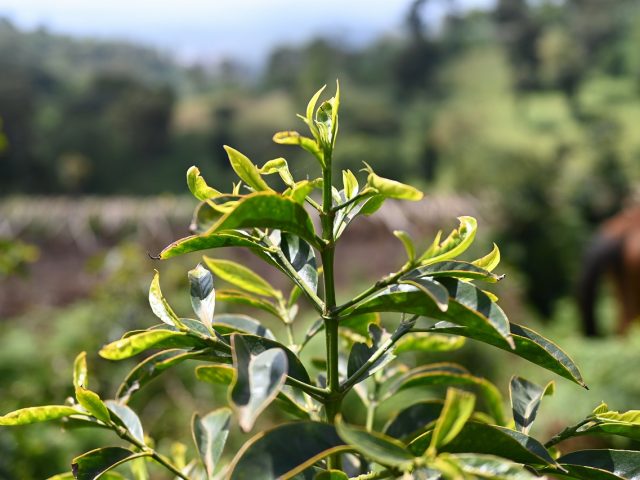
[{"x": 364, "y": 193}]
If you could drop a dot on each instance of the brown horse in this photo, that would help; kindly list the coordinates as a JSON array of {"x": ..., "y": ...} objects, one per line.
[{"x": 615, "y": 251}]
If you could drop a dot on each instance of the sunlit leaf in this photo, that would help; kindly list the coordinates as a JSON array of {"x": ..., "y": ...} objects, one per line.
[
  {"x": 240, "y": 298},
  {"x": 230, "y": 323},
  {"x": 453, "y": 268},
  {"x": 210, "y": 435},
  {"x": 525, "y": 400},
  {"x": 392, "y": 189},
  {"x": 93, "y": 464},
  {"x": 203, "y": 295},
  {"x": 92, "y": 402},
  {"x": 240, "y": 276},
  {"x": 602, "y": 464},
  {"x": 196, "y": 243},
  {"x": 490, "y": 261},
  {"x": 80, "y": 371},
  {"x": 294, "y": 138},
  {"x": 458, "y": 407},
  {"x": 488, "y": 466},
  {"x": 161, "y": 339},
  {"x": 246, "y": 170},
  {"x": 435, "y": 290},
  {"x": 300, "y": 256},
  {"x": 455, "y": 244},
  {"x": 159, "y": 304},
  {"x": 278, "y": 165},
  {"x": 127, "y": 418},
  {"x": 429, "y": 342},
  {"x": 26, "y": 416},
  {"x": 407, "y": 243},
  {"x": 198, "y": 186}
]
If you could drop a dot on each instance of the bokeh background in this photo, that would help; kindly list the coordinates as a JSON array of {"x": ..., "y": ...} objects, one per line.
[{"x": 525, "y": 114}]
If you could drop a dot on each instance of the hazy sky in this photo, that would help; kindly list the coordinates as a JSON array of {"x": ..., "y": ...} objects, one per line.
[{"x": 210, "y": 29}]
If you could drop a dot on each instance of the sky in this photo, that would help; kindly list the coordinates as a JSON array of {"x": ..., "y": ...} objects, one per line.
[{"x": 213, "y": 29}]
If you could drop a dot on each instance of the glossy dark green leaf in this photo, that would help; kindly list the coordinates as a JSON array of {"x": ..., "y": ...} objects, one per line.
[
  {"x": 361, "y": 352},
  {"x": 159, "y": 304},
  {"x": 246, "y": 170},
  {"x": 468, "y": 306},
  {"x": 268, "y": 210},
  {"x": 230, "y": 323},
  {"x": 457, "y": 409},
  {"x": 240, "y": 298},
  {"x": 602, "y": 464},
  {"x": 413, "y": 419},
  {"x": 492, "y": 440},
  {"x": 453, "y": 268},
  {"x": 93, "y": 404},
  {"x": 488, "y": 466},
  {"x": 376, "y": 446},
  {"x": 210, "y": 436},
  {"x": 240, "y": 276},
  {"x": 203, "y": 295},
  {"x": 257, "y": 345},
  {"x": 161, "y": 339},
  {"x": 435, "y": 290},
  {"x": 529, "y": 345},
  {"x": 155, "y": 365},
  {"x": 93, "y": 464},
  {"x": 198, "y": 186},
  {"x": 26, "y": 416},
  {"x": 300, "y": 255},
  {"x": 196, "y": 243},
  {"x": 126, "y": 418},
  {"x": 257, "y": 380},
  {"x": 525, "y": 400},
  {"x": 262, "y": 458},
  {"x": 421, "y": 377}
]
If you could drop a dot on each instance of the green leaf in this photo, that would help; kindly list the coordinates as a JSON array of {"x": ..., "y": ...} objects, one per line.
[
  {"x": 240, "y": 298},
  {"x": 92, "y": 402},
  {"x": 105, "y": 476},
  {"x": 294, "y": 138},
  {"x": 357, "y": 327},
  {"x": 361, "y": 352},
  {"x": 413, "y": 419},
  {"x": 429, "y": 376},
  {"x": 409, "y": 247},
  {"x": 93, "y": 464},
  {"x": 525, "y": 400},
  {"x": 455, "y": 244},
  {"x": 195, "y": 243},
  {"x": 453, "y": 268},
  {"x": 300, "y": 255},
  {"x": 490, "y": 261},
  {"x": 278, "y": 165},
  {"x": 301, "y": 190},
  {"x": 257, "y": 345},
  {"x": 528, "y": 345},
  {"x": 241, "y": 276},
  {"x": 203, "y": 295},
  {"x": 489, "y": 467},
  {"x": 458, "y": 407},
  {"x": 468, "y": 306},
  {"x": 159, "y": 304},
  {"x": 435, "y": 290},
  {"x": 331, "y": 475},
  {"x": 429, "y": 342},
  {"x": 391, "y": 188},
  {"x": 602, "y": 464},
  {"x": 215, "y": 374},
  {"x": 26, "y": 416},
  {"x": 155, "y": 365},
  {"x": 210, "y": 435},
  {"x": 127, "y": 418},
  {"x": 268, "y": 210},
  {"x": 80, "y": 371},
  {"x": 257, "y": 380},
  {"x": 162, "y": 339},
  {"x": 198, "y": 186},
  {"x": 625, "y": 424},
  {"x": 492, "y": 440},
  {"x": 246, "y": 170},
  {"x": 350, "y": 184},
  {"x": 376, "y": 446},
  {"x": 230, "y": 323},
  {"x": 276, "y": 454}
]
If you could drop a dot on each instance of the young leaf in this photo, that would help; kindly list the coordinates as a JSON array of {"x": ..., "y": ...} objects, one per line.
[
  {"x": 490, "y": 261},
  {"x": 458, "y": 407},
  {"x": 92, "y": 402},
  {"x": 453, "y": 268},
  {"x": 350, "y": 184},
  {"x": 246, "y": 170},
  {"x": 80, "y": 371},
  {"x": 194, "y": 243},
  {"x": 525, "y": 400},
  {"x": 391, "y": 188},
  {"x": 285, "y": 451},
  {"x": 104, "y": 476},
  {"x": 257, "y": 380},
  {"x": 127, "y": 418},
  {"x": 159, "y": 304},
  {"x": 294, "y": 138},
  {"x": 163, "y": 339},
  {"x": 278, "y": 165},
  {"x": 241, "y": 276},
  {"x": 409, "y": 247},
  {"x": 215, "y": 374},
  {"x": 455, "y": 244},
  {"x": 94, "y": 464},
  {"x": 203, "y": 295},
  {"x": 198, "y": 186},
  {"x": 331, "y": 475},
  {"x": 268, "y": 210},
  {"x": 377, "y": 446},
  {"x": 210, "y": 435},
  {"x": 26, "y": 416}
]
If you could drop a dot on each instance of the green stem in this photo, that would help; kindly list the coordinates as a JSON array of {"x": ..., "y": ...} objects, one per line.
[
  {"x": 364, "y": 193},
  {"x": 566, "y": 433},
  {"x": 375, "y": 475},
  {"x": 161, "y": 459}
]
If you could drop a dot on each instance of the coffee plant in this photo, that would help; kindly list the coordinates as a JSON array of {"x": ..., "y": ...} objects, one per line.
[{"x": 439, "y": 301}]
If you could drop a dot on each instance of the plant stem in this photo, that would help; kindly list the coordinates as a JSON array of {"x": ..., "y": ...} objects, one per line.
[
  {"x": 364, "y": 193},
  {"x": 566, "y": 433},
  {"x": 375, "y": 475},
  {"x": 125, "y": 435}
]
